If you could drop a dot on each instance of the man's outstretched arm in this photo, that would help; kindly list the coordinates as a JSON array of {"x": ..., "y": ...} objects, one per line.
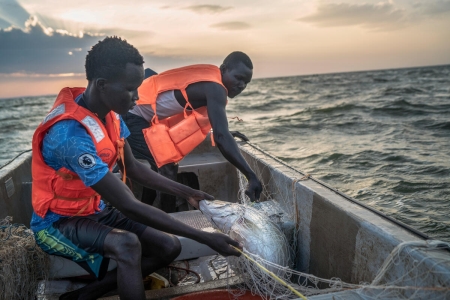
[
  {"x": 113, "y": 190},
  {"x": 216, "y": 101}
]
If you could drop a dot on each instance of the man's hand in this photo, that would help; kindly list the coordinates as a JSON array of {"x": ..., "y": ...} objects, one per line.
[
  {"x": 254, "y": 189},
  {"x": 197, "y": 196},
  {"x": 221, "y": 243},
  {"x": 239, "y": 135}
]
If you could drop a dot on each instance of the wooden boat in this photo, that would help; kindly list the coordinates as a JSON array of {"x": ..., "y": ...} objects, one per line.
[{"x": 337, "y": 236}]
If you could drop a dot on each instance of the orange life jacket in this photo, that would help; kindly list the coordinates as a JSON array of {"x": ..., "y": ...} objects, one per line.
[
  {"x": 172, "y": 138},
  {"x": 62, "y": 191}
]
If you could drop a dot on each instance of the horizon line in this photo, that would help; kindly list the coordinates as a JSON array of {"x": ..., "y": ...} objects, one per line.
[{"x": 287, "y": 76}]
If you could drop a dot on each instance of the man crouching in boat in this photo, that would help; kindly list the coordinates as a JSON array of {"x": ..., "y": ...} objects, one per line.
[
  {"x": 188, "y": 101},
  {"x": 74, "y": 150}
]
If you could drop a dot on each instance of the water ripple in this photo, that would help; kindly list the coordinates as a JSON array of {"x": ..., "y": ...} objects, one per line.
[{"x": 382, "y": 136}]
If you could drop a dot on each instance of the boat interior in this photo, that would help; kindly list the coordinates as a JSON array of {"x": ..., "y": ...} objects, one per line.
[{"x": 337, "y": 237}]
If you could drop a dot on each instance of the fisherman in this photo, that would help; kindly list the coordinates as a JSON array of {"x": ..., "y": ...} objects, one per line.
[
  {"x": 176, "y": 93},
  {"x": 82, "y": 211}
]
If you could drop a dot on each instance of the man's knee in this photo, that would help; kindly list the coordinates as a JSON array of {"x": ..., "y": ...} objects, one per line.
[
  {"x": 173, "y": 248},
  {"x": 168, "y": 247},
  {"x": 123, "y": 246}
]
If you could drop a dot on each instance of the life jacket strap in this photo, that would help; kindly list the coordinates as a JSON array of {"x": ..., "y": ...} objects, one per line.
[
  {"x": 121, "y": 153},
  {"x": 213, "y": 143},
  {"x": 91, "y": 199},
  {"x": 120, "y": 144},
  {"x": 55, "y": 196},
  {"x": 67, "y": 176}
]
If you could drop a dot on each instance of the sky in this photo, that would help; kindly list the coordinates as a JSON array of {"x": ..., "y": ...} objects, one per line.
[{"x": 43, "y": 44}]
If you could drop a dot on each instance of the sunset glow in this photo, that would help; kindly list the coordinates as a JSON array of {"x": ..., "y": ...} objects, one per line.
[{"x": 283, "y": 38}]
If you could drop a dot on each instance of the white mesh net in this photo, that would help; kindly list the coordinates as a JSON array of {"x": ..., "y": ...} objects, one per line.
[{"x": 270, "y": 231}]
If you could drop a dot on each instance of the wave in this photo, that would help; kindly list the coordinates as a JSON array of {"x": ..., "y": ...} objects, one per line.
[
  {"x": 400, "y": 91},
  {"x": 251, "y": 93},
  {"x": 402, "y": 107},
  {"x": 440, "y": 125},
  {"x": 382, "y": 136},
  {"x": 439, "y": 172},
  {"x": 409, "y": 187},
  {"x": 344, "y": 107},
  {"x": 380, "y": 79}
]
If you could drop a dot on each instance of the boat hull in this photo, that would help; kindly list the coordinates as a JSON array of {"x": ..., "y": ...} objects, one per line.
[{"x": 336, "y": 237}]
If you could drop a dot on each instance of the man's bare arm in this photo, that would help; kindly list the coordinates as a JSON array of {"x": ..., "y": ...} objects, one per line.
[
  {"x": 113, "y": 190},
  {"x": 216, "y": 102}
]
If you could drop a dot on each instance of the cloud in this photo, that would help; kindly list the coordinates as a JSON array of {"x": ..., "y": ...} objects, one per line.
[
  {"x": 231, "y": 25},
  {"x": 39, "y": 49},
  {"x": 208, "y": 9},
  {"x": 382, "y": 15},
  {"x": 430, "y": 8}
]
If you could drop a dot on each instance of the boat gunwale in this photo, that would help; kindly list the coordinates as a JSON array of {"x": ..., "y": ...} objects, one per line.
[{"x": 347, "y": 197}]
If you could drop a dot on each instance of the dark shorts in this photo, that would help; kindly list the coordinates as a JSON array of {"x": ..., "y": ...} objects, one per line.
[{"x": 81, "y": 238}]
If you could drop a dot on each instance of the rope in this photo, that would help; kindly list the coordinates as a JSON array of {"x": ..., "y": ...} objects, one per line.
[
  {"x": 272, "y": 274},
  {"x": 187, "y": 270},
  {"x": 15, "y": 158}
]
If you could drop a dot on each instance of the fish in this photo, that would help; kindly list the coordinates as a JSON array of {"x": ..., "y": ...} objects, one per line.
[{"x": 258, "y": 234}]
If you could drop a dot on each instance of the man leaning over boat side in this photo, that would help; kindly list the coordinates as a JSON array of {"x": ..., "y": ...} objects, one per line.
[
  {"x": 176, "y": 93},
  {"x": 74, "y": 151}
]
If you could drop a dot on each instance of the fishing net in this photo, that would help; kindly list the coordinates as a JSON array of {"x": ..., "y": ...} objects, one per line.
[
  {"x": 401, "y": 277},
  {"x": 412, "y": 270},
  {"x": 253, "y": 230},
  {"x": 22, "y": 262}
]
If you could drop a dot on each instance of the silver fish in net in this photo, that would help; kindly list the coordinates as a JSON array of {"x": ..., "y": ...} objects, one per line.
[{"x": 258, "y": 234}]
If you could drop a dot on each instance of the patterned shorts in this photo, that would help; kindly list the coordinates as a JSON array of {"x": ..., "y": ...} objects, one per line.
[{"x": 81, "y": 238}]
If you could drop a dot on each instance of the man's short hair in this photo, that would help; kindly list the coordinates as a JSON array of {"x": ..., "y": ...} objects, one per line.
[
  {"x": 108, "y": 58},
  {"x": 236, "y": 57}
]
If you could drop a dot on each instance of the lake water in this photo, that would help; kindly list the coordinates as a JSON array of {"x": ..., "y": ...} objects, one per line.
[{"x": 382, "y": 137}]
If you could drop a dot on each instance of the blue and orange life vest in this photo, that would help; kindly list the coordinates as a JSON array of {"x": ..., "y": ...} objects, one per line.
[
  {"x": 172, "y": 138},
  {"x": 62, "y": 191}
]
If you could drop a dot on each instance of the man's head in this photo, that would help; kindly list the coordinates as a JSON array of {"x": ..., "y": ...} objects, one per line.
[
  {"x": 115, "y": 69},
  {"x": 237, "y": 72}
]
